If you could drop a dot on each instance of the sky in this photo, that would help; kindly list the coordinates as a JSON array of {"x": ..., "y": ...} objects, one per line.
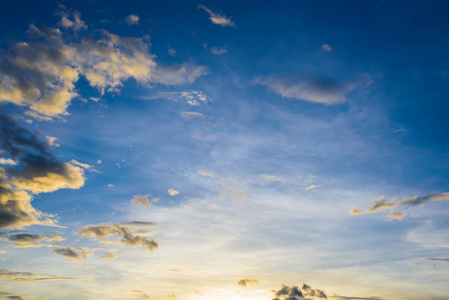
[{"x": 224, "y": 150}]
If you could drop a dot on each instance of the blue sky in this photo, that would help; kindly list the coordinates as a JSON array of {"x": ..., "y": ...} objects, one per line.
[{"x": 224, "y": 150}]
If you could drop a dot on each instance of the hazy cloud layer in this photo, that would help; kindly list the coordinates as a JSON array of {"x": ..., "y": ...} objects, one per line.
[
  {"x": 126, "y": 235},
  {"x": 319, "y": 89},
  {"x": 35, "y": 171},
  {"x": 218, "y": 19}
]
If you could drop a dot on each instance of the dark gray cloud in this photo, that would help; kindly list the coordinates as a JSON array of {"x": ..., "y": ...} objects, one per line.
[
  {"x": 28, "y": 240},
  {"x": 382, "y": 203},
  {"x": 126, "y": 235},
  {"x": 71, "y": 253},
  {"x": 35, "y": 170}
]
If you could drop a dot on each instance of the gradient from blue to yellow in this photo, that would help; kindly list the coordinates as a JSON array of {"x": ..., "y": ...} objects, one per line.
[{"x": 224, "y": 150}]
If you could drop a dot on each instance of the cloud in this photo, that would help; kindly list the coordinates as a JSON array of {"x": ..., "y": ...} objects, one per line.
[
  {"x": 172, "y": 192},
  {"x": 383, "y": 203},
  {"x": 326, "y": 48},
  {"x": 36, "y": 171},
  {"x": 248, "y": 282},
  {"x": 141, "y": 200},
  {"x": 7, "y": 161},
  {"x": 188, "y": 115},
  {"x": 205, "y": 174},
  {"x": 42, "y": 72},
  {"x": 355, "y": 211},
  {"x": 51, "y": 140},
  {"x": 71, "y": 19},
  {"x": 217, "y": 51},
  {"x": 319, "y": 89},
  {"x": 109, "y": 255},
  {"x": 194, "y": 98},
  {"x": 71, "y": 253},
  {"x": 140, "y": 224},
  {"x": 28, "y": 240},
  {"x": 294, "y": 292},
  {"x": 272, "y": 178},
  {"x": 218, "y": 19},
  {"x": 30, "y": 277},
  {"x": 132, "y": 20},
  {"x": 311, "y": 187},
  {"x": 437, "y": 259},
  {"x": 127, "y": 236}
]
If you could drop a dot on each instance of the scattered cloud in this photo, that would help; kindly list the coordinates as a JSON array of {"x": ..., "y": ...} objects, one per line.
[
  {"x": 249, "y": 282},
  {"x": 383, "y": 203},
  {"x": 172, "y": 52},
  {"x": 28, "y": 240},
  {"x": 205, "y": 173},
  {"x": 42, "y": 72},
  {"x": 217, "y": 19},
  {"x": 126, "y": 235},
  {"x": 110, "y": 255},
  {"x": 132, "y": 20},
  {"x": 194, "y": 98},
  {"x": 355, "y": 211},
  {"x": 7, "y": 161},
  {"x": 51, "y": 140},
  {"x": 71, "y": 253},
  {"x": 140, "y": 224},
  {"x": 319, "y": 89},
  {"x": 173, "y": 192},
  {"x": 272, "y": 178},
  {"x": 437, "y": 259},
  {"x": 141, "y": 200},
  {"x": 326, "y": 48},
  {"x": 218, "y": 51},
  {"x": 311, "y": 187}
]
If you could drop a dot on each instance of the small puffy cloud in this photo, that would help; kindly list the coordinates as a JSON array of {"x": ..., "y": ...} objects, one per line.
[
  {"x": 141, "y": 200},
  {"x": 193, "y": 98},
  {"x": 249, "y": 282},
  {"x": 188, "y": 115},
  {"x": 319, "y": 90},
  {"x": 272, "y": 178},
  {"x": 206, "y": 174},
  {"x": 132, "y": 20},
  {"x": 295, "y": 293},
  {"x": 217, "y": 19},
  {"x": 125, "y": 235},
  {"x": 71, "y": 253},
  {"x": 218, "y": 51},
  {"x": 71, "y": 19},
  {"x": 326, "y": 48},
  {"x": 173, "y": 192},
  {"x": 355, "y": 211},
  {"x": 28, "y": 240},
  {"x": 51, "y": 140},
  {"x": 171, "y": 52}
]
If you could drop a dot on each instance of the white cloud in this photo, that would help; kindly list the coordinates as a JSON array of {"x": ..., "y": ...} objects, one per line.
[
  {"x": 218, "y": 51},
  {"x": 194, "y": 98},
  {"x": 218, "y": 19},
  {"x": 132, "y": 20},
  {"x": 326, "y": 48},
  {"x": 319, "y": 90},
  {"x": 173, "y": 192}
]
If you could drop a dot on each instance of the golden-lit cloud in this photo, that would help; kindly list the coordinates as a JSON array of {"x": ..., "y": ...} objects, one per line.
[
  {"x": 272, "y": 178},
  {"x": 383, "y": 203},
  {"x": 248, "y": 282},
  {"x": 110, "y": 255},
  {"x": 217, "y": 19},
  {"x": 126, "y": 235},
  {"x": 143, "y": 200},
  {"x": 30, "y": 277},
  {"x": 173, "y": 192},
  {"x": 28, "y": 240}
]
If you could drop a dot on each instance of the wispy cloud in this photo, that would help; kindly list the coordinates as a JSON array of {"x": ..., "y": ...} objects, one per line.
[
  {"x": 30, "y": 277},
  {"x": 28, "y": 240},
  {"x": 218, "y": 19},
  {"x": 194, "y": 98},
  {"x": 318, "y": 89},
  {"x": 72, "y": 253}
]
